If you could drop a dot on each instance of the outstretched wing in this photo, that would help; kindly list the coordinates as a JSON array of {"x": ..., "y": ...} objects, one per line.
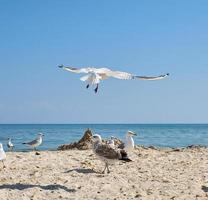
[
  {"x": 151, "y": 78},
  {"x": 75, "y": 70},
  {"x": 128, "y": 76},
  {"x": 115, "y": 74}
]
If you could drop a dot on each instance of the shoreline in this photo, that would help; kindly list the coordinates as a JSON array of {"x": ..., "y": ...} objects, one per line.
[{"x": 136, "y": 146}]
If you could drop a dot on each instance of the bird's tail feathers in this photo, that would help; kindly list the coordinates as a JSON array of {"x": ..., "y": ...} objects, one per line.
[
  {"x": 126, "y": 159},
  {"x": 85, "y": 78},
  {"x": 124, "y": 156}
]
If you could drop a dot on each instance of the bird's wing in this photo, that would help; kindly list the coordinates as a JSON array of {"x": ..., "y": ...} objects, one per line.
[
  {"x": 151, "y": 78},
  {"x": 119, "y": 75},
  {"x": 74, "y": 69},
  {"x": 128, "y": 76},
  {"x": 106, "y": 151},
  {"x": 121, "y": 146},
  {"x": 31, "y": 142}
]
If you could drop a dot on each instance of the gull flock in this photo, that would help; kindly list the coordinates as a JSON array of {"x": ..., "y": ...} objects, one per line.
[
  {"x": 34, "y": 143},
  {"x": 107, "y": 152}
]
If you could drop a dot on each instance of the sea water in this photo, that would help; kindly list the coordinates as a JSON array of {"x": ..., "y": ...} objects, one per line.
[{"x": 159, "y": 135}]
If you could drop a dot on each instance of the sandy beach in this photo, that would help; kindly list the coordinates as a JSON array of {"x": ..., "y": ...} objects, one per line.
[{"x": 74, "y": 174}]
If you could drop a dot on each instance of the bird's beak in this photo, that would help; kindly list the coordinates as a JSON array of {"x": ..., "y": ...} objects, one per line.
[{"x": 134, "y": 134}]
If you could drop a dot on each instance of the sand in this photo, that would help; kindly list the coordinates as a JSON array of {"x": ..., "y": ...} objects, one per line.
[{"x": 154, "y": 174}]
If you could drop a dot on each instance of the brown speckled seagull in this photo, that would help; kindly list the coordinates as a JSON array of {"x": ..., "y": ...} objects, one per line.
[{"x": 106, "y": 153}]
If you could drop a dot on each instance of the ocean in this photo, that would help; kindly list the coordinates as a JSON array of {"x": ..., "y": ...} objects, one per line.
[{"x": 159, "y": 135}]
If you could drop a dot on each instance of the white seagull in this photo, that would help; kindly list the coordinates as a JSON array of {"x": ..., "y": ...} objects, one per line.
[
  {"x": 96, "y": 75},
  {"x": 10, "y": 145},
  {"x": 128, "y": 145},
  {"x": 2, "y": 154},
  {"x": 111, "y": 142},
  {"x": 35, "y": 143},
  {"x": 106, "y": 153}
]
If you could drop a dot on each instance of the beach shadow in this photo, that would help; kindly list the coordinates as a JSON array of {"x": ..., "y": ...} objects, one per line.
[
  {"x": 82, "y": 171},
  {"x": 204, "y": 188},
  {"x": 19, "y": 186}
]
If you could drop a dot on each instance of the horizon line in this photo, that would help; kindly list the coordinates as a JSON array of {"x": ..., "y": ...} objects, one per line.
[{"x": 105, "y": 123}]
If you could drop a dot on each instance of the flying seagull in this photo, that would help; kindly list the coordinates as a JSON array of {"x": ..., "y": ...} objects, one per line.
[
  {"x": 35, "y": 143},
  {"x": 128, "y": 145},
  {"x": 106, "y": 153},
  {"x": 2, "y": 154},
  {"x": 96, "y": 75},
  {"x": 10, "y": 145}
]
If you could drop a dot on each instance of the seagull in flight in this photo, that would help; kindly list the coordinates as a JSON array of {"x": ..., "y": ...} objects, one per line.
[{"x": 95, "y": 75}]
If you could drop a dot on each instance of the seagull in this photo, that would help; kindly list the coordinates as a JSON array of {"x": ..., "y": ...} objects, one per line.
[
  {"x": 35, "y": 143},
  {"x": 10, "y": 145},
  {"x": 111, "y": 142},
  {"x": 106, "y": 153},
  {"x": 96, "y": 75},
  {"x": 129, "y": 143},
  {"x": 2, "y": 154}
]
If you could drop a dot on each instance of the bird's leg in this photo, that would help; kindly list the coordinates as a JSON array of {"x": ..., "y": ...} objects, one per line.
[
  {"x": 107, "y": 168},
  {"x": 104, "y": 168},
  {"x": 88, "y": 85},
  {"x": 3, "y": 164},
  {"x": 96, "y": 89}
]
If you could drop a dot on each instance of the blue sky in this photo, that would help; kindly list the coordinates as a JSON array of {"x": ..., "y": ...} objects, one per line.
[{"x": 142, "y": 37}]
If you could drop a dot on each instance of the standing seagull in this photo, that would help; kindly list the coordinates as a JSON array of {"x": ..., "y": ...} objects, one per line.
[
  {"x": 10, "y": 145},
  {"x": 111, "y": 142},
  {"x": 35, "y": 143},
  {"x": 2, "y": 154},
  {"x": 129, "y": 143},
  {"x": 95, "y": 75},
  {"x": 106, "y": 153}
]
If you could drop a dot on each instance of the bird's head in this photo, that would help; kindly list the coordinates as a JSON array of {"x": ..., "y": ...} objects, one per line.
[
  {"x": 61, "y": 66},
  {"x": 131, "y": 133},
  {"x": 112, "y": 137},
  {"x": 96, "y": 138},
  {"x": 8, "y": 138},
  {"x": 40, "y": 134}
]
